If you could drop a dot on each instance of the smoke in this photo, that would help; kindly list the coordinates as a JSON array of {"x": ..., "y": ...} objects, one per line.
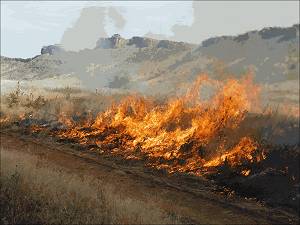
[
  {"x": 230, "y": 18},
  {"x": 91, "y": 26}
]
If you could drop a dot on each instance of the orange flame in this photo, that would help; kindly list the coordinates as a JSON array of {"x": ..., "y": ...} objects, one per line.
[
  {"x": 185, "y": 134},
  {"x": 174, "y": 135},
  {"x": 4, "y": 120}
]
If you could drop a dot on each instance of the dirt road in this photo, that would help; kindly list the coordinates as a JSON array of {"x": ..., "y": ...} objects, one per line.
[{"x": 193, "y": 199}]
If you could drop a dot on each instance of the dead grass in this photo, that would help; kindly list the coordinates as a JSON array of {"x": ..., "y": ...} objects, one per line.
[
  {"x": 66, "y": 101},
  {"x": 33, "y": 191}
]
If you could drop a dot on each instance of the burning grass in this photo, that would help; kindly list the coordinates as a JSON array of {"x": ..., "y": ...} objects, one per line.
[
  {"x": 177, "y": 135},
  {"x": 203, "y": 137}
]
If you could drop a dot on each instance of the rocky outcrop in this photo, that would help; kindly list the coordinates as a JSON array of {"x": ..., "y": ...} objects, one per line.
[
  {"x": 242, "y": 37},
  {"x": 51, "y": 49},
  {"x": 171, "y": 44},
  {"x": 142, "y": 42},
  {"x": 281, "y": 34},
  {"x": 284, "y": 34},
  {"x": 116, "y": 41}
]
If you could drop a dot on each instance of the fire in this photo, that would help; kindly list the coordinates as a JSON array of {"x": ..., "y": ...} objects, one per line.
[
  {"x": 36, "y": 129},
  {"x": 185, "y": 134},
  {"x": 246, "y": 172},
  {"x": 242, "y": 151},
  {"x": 4, "y": 120},
  {"x": 63, "y": 118},
  {"x": 174, "y": 135}
]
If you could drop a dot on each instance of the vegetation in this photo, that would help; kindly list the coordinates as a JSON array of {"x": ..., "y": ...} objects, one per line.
[{"x": 36, "y": 192}]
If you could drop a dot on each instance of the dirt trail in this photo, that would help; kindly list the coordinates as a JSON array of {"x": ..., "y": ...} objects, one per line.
[{"x": 189, "y": 197}]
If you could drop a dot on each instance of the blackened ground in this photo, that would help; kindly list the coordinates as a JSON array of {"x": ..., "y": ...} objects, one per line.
[{"x": 274, "y": 180}]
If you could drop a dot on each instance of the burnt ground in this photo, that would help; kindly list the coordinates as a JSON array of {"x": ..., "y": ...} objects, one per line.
[{"x": 195, "y": 199}]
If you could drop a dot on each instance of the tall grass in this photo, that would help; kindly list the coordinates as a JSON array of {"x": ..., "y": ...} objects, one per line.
[{"x": 34, "y": 191}]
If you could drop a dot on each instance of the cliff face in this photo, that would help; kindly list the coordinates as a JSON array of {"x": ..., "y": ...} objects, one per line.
[
  {"x": 141, "y": 42},
  {"x": 116, "y": 41},
  {"x": 280, "y": 34},
  {"x": 51, "y": 49}
]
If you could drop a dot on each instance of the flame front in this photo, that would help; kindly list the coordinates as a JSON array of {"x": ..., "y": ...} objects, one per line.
[
  {"x": 174, "y": 135},
  {"x": 184, "y": 134}
]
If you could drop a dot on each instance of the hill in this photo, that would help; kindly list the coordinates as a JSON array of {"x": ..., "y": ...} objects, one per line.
[{"x": 163, "y": 67}]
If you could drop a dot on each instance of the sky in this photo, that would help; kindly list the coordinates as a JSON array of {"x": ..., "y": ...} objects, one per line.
[{"x": 26, "y": 26}]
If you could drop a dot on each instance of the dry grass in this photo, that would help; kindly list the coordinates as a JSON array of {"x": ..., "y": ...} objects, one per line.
[
  {"x": 53, "y": 102},
  {"x": 36, "y": 192}
]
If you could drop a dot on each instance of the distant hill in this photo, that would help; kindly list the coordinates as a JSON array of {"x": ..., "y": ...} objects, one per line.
[
  {"x": 163, "y": 66},
  {"x": 272, "y": 52}
]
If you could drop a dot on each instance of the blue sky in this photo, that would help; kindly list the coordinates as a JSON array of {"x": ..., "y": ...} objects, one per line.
[{"x": 26, "y": 26}]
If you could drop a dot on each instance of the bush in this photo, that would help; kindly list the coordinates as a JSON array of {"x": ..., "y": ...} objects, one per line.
[{"x": 13, "y": 98}]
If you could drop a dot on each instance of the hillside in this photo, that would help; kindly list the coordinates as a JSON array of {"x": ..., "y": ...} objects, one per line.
[{"x": 161, "y": 66}]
